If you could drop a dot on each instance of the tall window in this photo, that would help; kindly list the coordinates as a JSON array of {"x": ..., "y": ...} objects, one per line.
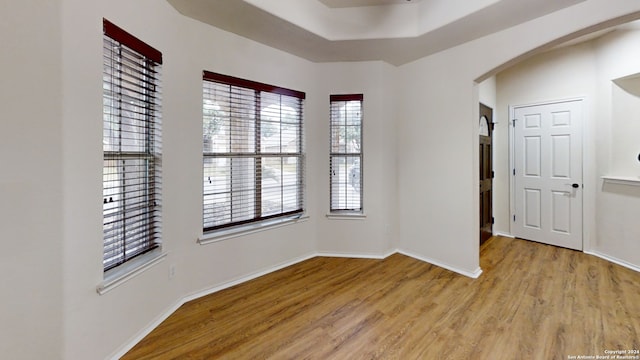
[
  {"x": 253, "y": 159},
  {"x": 346, "y": 152},
  {"x": 131, "y": 146}
]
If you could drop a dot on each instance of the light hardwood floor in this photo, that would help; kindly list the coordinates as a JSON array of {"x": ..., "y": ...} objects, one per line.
[{"x": 533, "y": 301}]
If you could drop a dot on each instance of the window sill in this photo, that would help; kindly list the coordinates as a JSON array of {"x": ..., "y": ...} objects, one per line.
[
  {"x": 346, "y": 215},
  {"x": 222, "y": 235},
  {"x": 123, "y": 273}
]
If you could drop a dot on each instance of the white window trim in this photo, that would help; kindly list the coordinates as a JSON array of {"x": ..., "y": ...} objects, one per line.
[
  {"x": 246, "y": 229},
  {"x": 127, "y": 271},
  {"x": 346, "y": 215}
]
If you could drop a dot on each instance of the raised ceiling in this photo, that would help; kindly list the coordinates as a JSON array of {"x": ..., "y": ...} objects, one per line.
[
  {"x": 358, "y": 3},
  {"x": 394, "y": 31}
]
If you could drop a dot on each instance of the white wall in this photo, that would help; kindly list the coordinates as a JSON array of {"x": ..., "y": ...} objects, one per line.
[
  {"x": 31, "y": 198},
  {"x": 96, "y": 326},
  {"x": 611, "y": 132},
  {"x": 373, "y": 235},
  {"x": 565, "y": 73},
  {"x": 188, "y": 48},
  {"x": 438, "y": 144},
  {"x": 487, "y": 93},
  {"x": 625, "y": 127},
  {"x": 617, "y": 205},
  {"x": 437, "y": 178},
  {"x": 51, "y": 308}
]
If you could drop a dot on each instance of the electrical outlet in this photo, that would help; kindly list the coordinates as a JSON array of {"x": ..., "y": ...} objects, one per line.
[{"x": 172, "y": 271}]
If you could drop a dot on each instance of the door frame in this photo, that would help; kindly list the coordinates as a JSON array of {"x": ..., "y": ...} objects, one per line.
[
  {"x": 588, "y": 168},
  {"x": 491, "y": 125}
]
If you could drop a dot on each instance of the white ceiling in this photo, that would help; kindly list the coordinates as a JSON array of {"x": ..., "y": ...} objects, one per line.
[
  {"x": 359, "y": 3},
  {"x": 397, "y": 32}
]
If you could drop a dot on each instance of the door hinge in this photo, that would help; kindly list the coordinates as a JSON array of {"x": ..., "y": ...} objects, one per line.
[
  {"x": 493, "y": 174},
  {"x": 513, "y": 122},
  {"x": 514, "y": 172},
  {"x": 514, "y": 218},
  {"x": 493, "y": 220}
]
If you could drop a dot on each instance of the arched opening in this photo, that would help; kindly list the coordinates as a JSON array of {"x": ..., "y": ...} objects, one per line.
[{"x": 595, "y": 64}]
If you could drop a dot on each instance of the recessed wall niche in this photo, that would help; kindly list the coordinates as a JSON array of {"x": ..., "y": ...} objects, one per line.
[{"x": 625, "y": 126}]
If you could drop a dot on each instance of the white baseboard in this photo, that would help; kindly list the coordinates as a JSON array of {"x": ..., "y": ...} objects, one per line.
[
  {"x": 472, "y": 274},
  {"x": 149, "y": 328},
  {"x": 128, "y": 346},
  {"x": 246, "y": 278},
  {"x": 391, "y": 252},
  {"x": 357, "y": 256},
  {"x": 614, "y": 260},
  {"x": 504, "y": 235}
]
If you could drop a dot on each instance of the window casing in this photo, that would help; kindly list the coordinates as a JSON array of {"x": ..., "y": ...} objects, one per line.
[
  {"x": 132, "y": 182},
  {"x": 253, "y": 160},
  {"x": 345, "y": 156}
]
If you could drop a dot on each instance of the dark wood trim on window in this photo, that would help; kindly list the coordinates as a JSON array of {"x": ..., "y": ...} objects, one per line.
[
  {"x": 234, "y": 81},
  {"x": 241, "y": 104},
  {"x": 346, "y": 97}
]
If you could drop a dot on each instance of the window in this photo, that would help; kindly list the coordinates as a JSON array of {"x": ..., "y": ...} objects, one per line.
[
  {"x": 131, "y": 146},
  {"x": 253, "y": 160},
  {"x": 346, "y": 153}
]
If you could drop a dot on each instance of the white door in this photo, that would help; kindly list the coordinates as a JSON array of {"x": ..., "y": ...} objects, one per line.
[{"x": 547, "y": 173}]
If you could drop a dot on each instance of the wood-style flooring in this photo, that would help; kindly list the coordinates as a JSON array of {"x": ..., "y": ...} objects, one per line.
[{"x": 532, "y": 301}]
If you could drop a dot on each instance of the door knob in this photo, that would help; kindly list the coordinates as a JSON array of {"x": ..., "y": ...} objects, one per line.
[{"x": 575, "y": 186}]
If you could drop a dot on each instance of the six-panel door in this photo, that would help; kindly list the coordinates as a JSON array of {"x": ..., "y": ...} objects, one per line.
[{"x": 548, "y": 173}]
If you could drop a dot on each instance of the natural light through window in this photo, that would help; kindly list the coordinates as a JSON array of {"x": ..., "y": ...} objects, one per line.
[
  {"x": 253, "y": 163},
  {"x": 131, "y": 194},
  {"x": 346, "y": 153}
]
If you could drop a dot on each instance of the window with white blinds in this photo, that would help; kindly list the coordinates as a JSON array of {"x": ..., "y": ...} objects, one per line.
[
  {"x": 345, "y": 157},
  {"x": 253, "y": 160},
  {"x": 131, "y": 144}
]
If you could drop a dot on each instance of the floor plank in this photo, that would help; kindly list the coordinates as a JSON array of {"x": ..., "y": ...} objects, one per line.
[{"x": 533, "y": 301}]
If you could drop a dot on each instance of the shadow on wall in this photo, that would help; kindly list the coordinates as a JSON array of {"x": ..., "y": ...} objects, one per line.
[
  {"x": 625, "y": 127},
  {"x": 622, "y": 189}
]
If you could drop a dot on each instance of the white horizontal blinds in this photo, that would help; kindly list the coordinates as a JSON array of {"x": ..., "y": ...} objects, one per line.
[
  {"x": 281, "y": 147},
  {"x": 252, "y": 151},
  {"x": 132, "y": 180},
  {"x": 346, "y": 152}
]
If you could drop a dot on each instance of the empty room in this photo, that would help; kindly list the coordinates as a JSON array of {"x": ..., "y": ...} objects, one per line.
[{"x": 320, "y": 179}]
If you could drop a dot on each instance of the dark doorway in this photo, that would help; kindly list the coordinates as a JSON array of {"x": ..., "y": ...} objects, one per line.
[{"x": 486, "y": 173}]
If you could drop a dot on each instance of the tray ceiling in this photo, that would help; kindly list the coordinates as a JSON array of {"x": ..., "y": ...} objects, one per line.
[{"x": 393, "y": 31}]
